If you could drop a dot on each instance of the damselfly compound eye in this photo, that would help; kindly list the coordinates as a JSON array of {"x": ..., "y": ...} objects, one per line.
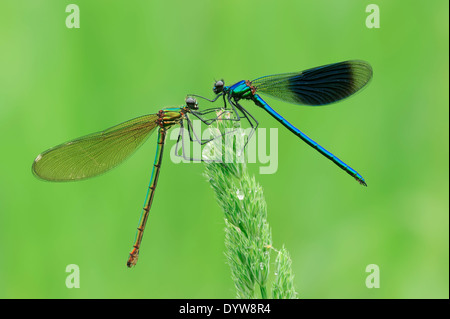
[
  {"x": 191, "y": 103},
  {"x": 218, "y": 86}
]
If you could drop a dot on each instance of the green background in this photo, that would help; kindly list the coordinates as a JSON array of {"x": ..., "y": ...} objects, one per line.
[{"x": 131, "y": 58}]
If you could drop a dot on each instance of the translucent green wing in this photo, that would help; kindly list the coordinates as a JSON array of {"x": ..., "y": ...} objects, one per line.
[{"x": 96, "y": 153}]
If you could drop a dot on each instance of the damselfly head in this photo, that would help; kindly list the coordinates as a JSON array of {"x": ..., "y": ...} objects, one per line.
[
  {"x": 191, "y": 103},
  {"x": 218, "y": 86}
]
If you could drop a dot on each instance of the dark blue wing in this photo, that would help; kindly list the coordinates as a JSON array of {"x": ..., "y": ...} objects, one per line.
[{"x": 317, "y": 86}]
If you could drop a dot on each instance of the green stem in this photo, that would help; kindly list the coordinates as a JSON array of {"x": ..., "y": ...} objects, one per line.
[
  {"x": 263, "y": 292},
  {"x": 248, "y": 238}
]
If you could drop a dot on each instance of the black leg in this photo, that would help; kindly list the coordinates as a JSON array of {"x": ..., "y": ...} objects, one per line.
[
  {"x": 181, "y": 138},
  {"x": 248, "y": 117},
  {"x": 193, "y": 133},
  {"x": 207, "y": 111},
  {"x": 202, "y": 97},
  {"x": 208, "y": 121}
]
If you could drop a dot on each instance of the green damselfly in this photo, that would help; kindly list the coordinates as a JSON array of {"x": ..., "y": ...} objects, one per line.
[{"x": 94, "y": 154}]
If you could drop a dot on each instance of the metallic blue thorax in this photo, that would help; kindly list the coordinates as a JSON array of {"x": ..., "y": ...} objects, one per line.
[{"x": 240, "y": 90}]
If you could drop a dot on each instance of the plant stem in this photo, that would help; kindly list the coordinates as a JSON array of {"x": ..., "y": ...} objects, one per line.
[
  {"x": 248, "y": 238},
  {"x": 263, "y": 292}
]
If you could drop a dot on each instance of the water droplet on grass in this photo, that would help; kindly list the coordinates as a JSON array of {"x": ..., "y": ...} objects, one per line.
[{"x": 239, "y": 194}]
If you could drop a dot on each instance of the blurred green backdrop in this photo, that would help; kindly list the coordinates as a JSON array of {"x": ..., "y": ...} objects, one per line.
[{"x": 131, "y": 58}]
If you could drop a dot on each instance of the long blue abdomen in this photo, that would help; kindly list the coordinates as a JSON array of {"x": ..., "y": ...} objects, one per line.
[{"x": 260, "y": 102}]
